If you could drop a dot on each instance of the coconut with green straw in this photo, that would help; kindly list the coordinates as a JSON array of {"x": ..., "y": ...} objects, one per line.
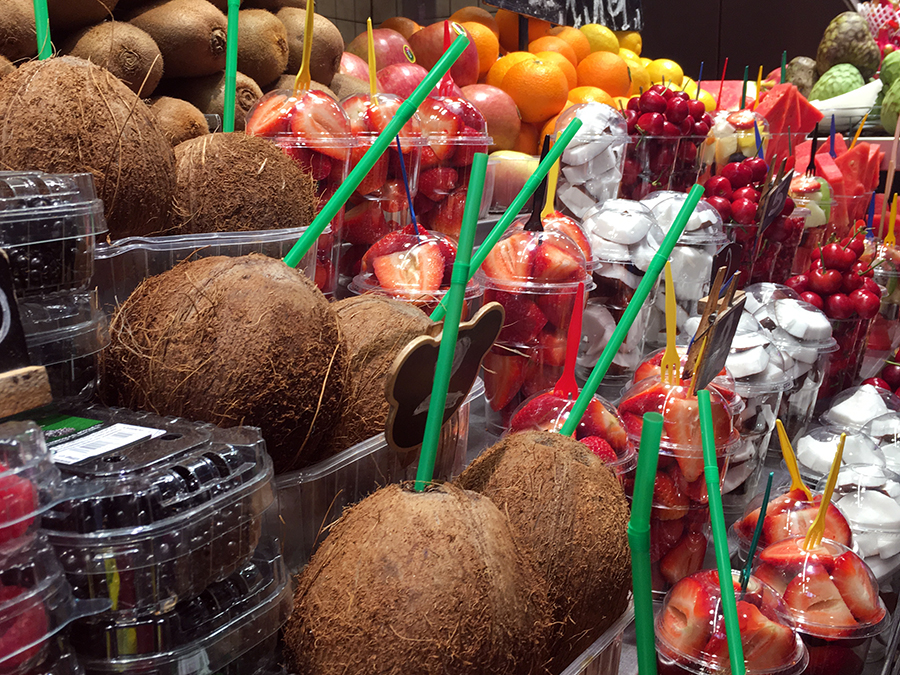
[
  {"x": 720, "y": 535},
  {"x": 231, "y": 55},
  {"x": 639, "y": 541},
  {"x": 42, "y": 28},
  {"x": 385, "y": 138}
]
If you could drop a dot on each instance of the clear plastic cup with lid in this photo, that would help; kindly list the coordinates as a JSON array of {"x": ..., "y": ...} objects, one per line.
[
  {"x": 854, "y": 408},
  {"x": 815, "y": 451}
]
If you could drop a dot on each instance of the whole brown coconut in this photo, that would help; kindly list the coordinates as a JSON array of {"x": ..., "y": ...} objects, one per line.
[
  {"x": 235, "y": 183},
  {"x": 425, "y": 583},
  {"x": 230, "y": 341},
  {"x": 570, "y": 509},
  {"x": 68, "y": 15},
  {"x": 375, "y": 331},
  {"x": 178, "y": 120},
  {"x": 6, "y": 67},
  {"x": 208, "y": 94},
  {"x": 66, "y": 115},
  {"x": 18, "y": 37}
]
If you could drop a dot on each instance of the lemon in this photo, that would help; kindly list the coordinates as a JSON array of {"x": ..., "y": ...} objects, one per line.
[
  {"x": 621, "y": 102},
  {"x": 645, "y": 61},
  {"x": 665, "y": 70},
  {"x": 640, "y": 78},
  {"x": 602, "y": 39},
  {"x": 629, "y": 55},
  {"x": 630, "y": 39}
]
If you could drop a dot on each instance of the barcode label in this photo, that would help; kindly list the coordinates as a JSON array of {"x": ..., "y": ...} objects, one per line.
[{"x": 102, "y": 441}]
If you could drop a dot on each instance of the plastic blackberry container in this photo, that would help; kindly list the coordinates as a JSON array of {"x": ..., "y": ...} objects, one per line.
[
  {"x": 179, "y": 505},
  {"x": 49, "y": 225}
]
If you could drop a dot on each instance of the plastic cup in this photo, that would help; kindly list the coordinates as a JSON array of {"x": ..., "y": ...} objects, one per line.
[
  {"x": 848, "y": 209},
  {"x": 814, "y": 230},
  {"x": 779, "y": 247},
  {"x": 661, "y": 163},
  {"x": 704, "y": 649},
  {"x": 732, "y": 138},
  {"x": 591, "y": 165},
  {"x": 817, "y": 587},
  {"x": 854, "y": 408},
  {"x": 815, "y": 452},
  {"x": 884, "y": 333},
  {"x": 885, "y": 431}
]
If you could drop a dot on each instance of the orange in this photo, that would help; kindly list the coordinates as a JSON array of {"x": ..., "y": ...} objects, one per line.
[
  {"x": 527, "y": 141},
  {"x": 588, "y": 94},
  {"x": 548, "y": 43},
  {"x": 503, "y": 64},
  {"x": 486, "y": 43},
  {"x": 406, "y": 27},
  {"x": 476, "y": 15},
  {"x": 549, "y": 128},
  {"x": 607, "y": 71},
  {"x": 539, "y": 88},
  {"x": 564, "y": 65},
  {"x": 577, "y": 40},
  {"x": 508, "y": 23}
]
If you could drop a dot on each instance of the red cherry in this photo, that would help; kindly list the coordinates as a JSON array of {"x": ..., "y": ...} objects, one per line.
[
  {"x": 851, "y": 282},
  {"x": 891, "y": 374},
  {"x": 650, "y": 124},
  {"x": 682, "y": 95},
  {"x": 758, "y": 168},
  {"x": 671, "y": 130},
  {"x": 696, "y": 109},
  {"x": 870, "y": 285},
  {"x": 634, "y": 103},
  {"x": 815, "y": 264},
  {"x": 652, "y": 102},
  {"x": 858, "y": 244},
  {"x": 722, "y": 205},
  {"x": 788, "y": 207},
  {"x": 799, "y": 283},
  {"x": 825, "y": 282},
  {"x": 816, "y": 254},
  {"x": 686, "y": 127},
  {"x": 631, "y": 118},
  {"x": 877, "y": 382},
  {"x": 861, "y": 268},
  {"x": 668, "y": 94},
  {"x": 746, "y": 193},
  {"x": 676, "y": 110},
  {"x": 700, "y": 129},
  {"x": 839, "y": 306},
  {"x": 737, "y": 174},
  {"x": 707, "y": 120},
  {"x": 865, "y": 303},
  {"x": 835, "y": 256},
  {"x": 718, "y": 186},
  {"x": 659, "y": 89},
  {"x": 813, "y": 299},
  {"x": 743, "y": 211}
]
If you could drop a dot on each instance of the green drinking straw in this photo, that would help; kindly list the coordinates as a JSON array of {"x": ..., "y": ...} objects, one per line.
[
  {"x": 231, "y": 50},
  {"x": 631, "y": 311},
  {"x": 783, "y": 67},
  {"x": 516, "y": 206},
  {"x": 720, "y": 536},
  {"x": 385, "y": 138},
  {"x": 42, "y": 28},
  {"x": 751, "y": 553},
  {"x": 639, "y": 541},
  {"x": 447, "y": 351},
  {"x": 744, "y": 87}
]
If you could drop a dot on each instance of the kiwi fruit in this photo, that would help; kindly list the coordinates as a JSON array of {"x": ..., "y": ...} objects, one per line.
[
  {"x": 18, "y": 38},
  {"x": 262, "y": 46},
  {"x": 6, "y": 66},
  {"x": 178, "y": 120},
  {"x": 190, "y": 34},
  {"x": 124, "y": 50},
  {"x": 347, "y": 85},
  {"x": 70, "y": 15},
  {"x": 327, "y": 46},
  {"x": 208, "y": 94}
]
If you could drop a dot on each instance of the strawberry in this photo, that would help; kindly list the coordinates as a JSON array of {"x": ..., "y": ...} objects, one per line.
[
  {"x": 350, "y": 261},
  {"x": 428, "y": 159},
  {"x": 324, "y": 281},
  {"x": 651, "y": 399},
  {"x": 836, "y": 526},
  {"x": 18, "y": 498},
  {"x": 271, "y": 115},
  {"x": 788, "y": 524},
  {"x": 393, "y": 197},
  {"x": 546, "y": 412},
  {"x": 438, "y": 183},
  {"x": 375, "y": 178},
  {"x": 773, "y": 576},
  {"x": 468, "y": 144},
  {"x": 392, "y": 242},
  {"x": 447, "y": 217},
  {"x": 598, "y": 421},
  {"x": 524, "y": 320},
  {"x": 768, "y": 645},
  {"x": 854, "y": 582},
  {"x": 317, "y": 118},
  {"x": 685, "y": 559},
  {"x": 685, "y": 622},
  {"x": 789, "y": 555},
  {"x": 816, "y": 603},
  {"x": 554, "y": 264},
  {"x": 557, "y": 307},
  {"x": 632, "y": 423},
  {"x": 511, "y": 258},
  {"x": 440, "y": 126},
  {"x": 563, "y": 224},
  {"x": 364, "y": 224},
  {"x": 466, "y": 111},
  {"x": 539, "y": 377},
  {"x": 664, "y": 534},
  {"x": 696, "y": 490},
  {"x": 381, "y": 111},
  {"x": 601, "y": 448},
  {"x": 681, "y": 422},
  {"x": 357, "y": 108},
  {"x": 422, "y": 204},
  {"x": 667, "y": 494},
  {"x": 420, "y": 268},
  {"x": 781, "y": 504},
  {"x": 26, "y": 628},
  {"x": 552, "y": 346},
  {"x": 504, "y": 373}
]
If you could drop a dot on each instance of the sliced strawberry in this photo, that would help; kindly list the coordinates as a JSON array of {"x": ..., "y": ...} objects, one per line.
[
  {"x": 464, "y": 109},
  {"x": 683, "y": 560},
  {"x": 780, "y": 526},
  {"x": 271, "y": 115},
  {"x": 647, "y": 400},
  {"x": 601, "y": 448},
  {"x": 376, "y": 177},
  {"x": 524, "y": 320},
  {"x": 632, "y": 423},
  {"x": 696, "y": 491},
  {"x": 563, "y": 224},
  {"x": 420, "y": 268},
  {"x": 364, "y": 224},
  {"x": 27, "y": 628},
  {"x": 664, "y": 534},
  {"x": 317, "y": 118},
  {"x": 448, "y": 250},
  {"x": 554, "y": 264},
  {"x": 789, "y": 555},
  {"x": 357, "y": 108},
  {"x": 428, "y": 159},
  {"x": 836, "y": 526},
  {"x": 18, "y": 498},
  {"x": 469, "y": 143},
  {"x": 422, "y": 205},
  {"x": 681, "y": 421},
  {"x": 768, "y": 645},
  {"x": 447, "y": 217},
  {"x": 773, "y": 576},
  {"x": 393, "y": 197},
  {"x": 780, "y": 504},
  {"x": 539, "y": 377},
  {"x": 816, "y": 603},
  {"x": 687, "y": 617},
  {"x": 598, "y": 421},
  {"x": 557, "y": 307},
  {"x": 504, "y": 373},
  {"x": 440, "y": 126},
  {"x": 511, "y": 258},
  {"x": 382, "y": 110},
  {"x": 547, "y": 412},
  {"x": 854, "y": 582},
  {"x": 325, "y": 278},
  {"x": 552, "y": 346},
  {"x": 390, "y": 243},
  {"x": 667, "y": 494},
  {"x": 438, "y": 183}
]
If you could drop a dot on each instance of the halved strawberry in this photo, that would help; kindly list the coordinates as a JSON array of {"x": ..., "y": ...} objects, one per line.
[
  {"x": 524, "y": 320},
  {"x": 271, "y": 115},
  {"x": 546, "y": 412},
  {"x": 466, "y": 111},
  {"x": 790, "y": 556},
  {"x": 552, "y": 346},
  {"x": 601, "y": 448},
  {"x": 382, "y": 110},
  {"x": 357, "y": 108},
  {"x": 632, "y": 423},
  {"x": 364, "y": 224},
  {"x": 392, "y": 197},
  {"x": 598, "y": 421},
  {"x": 685, "y": 559},
  {"x": 438, "y": 183},
  {"x": 325, "y": 278},
  {"x": 647, "y": 400},
  {"x": 780, "y": 526},
  {"x": 390, "y": 243},
  {"x": 511, "y": 258},
  {"x": 853, "y": 581},
  {"x": 469, "y": 143},
  {"x": 780, "y": 504},
  {"x": 554, "y": 264},
  {"x": 317, "y": 118},
  {"x": 18, "y": 498},
  {"x": 768, "y": 645},
  {"x": 429, "y": 159},
  {"x": 687, "y": 618},
  {"x": 836, "y": 526},
  {"x": 557, "y": 307},
  {"x": 422, "y": 205},
  {"x": 681, "y": 421},
  {"x": 447, "y": 217},
  {"x": 563, "y": 224},
  {"x": 697, "y": 491},
  {"x": 376, "y": 177},
  {"x": 664, "y": 534},
  {"x": 504, "y": 373},
  {"x": 773, "y": 576},
  {"x": 420, "y": 268},
  {"x": 816, "y": 604},
  {"x": 440, "y": 126},
  {"x": 668, "y": 495}
]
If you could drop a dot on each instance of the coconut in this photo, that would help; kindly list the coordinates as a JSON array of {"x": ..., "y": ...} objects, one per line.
[
  {"x": 424, "y": 583},
  {"x": 6, "y": 66},
  {"x": 179, "y": 120},
  {"x": 18, "y": 37},
  {"x": 208, "y": 94},
  {"x": 230, "y": 341},
  {"x": 68, "y": 15},
  {"x": 124, "y": 50},
  {"x": 571, "y": 511},
  {"x": 375, "y": 330},
  {"x": 66, "y": 115},
  {"x": 234, "y": 183}
]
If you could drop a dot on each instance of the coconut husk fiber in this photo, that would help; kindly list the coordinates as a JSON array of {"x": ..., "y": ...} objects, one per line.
[
  {"x": 570, "y": 509},
  {"x": 231, "y": 341},
  {"x": 235, "y": 183},
  {"x": 427, "y": 583},
  {"x": 67, "y": 115}
]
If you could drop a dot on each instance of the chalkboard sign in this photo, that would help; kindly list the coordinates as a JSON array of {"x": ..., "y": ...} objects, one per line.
[
  {"x": 614, "y": 14},
  {"x": 718, "y": 344}
]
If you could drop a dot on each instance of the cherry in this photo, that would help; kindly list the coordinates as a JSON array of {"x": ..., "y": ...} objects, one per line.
[
  {"x": 851, "y": 282},
  {"x": 682, "y": 95},
  {"x": 865, "y": 303},
  {"x": 799, "y": 283},
  {"x": 758, "y": 168},
  {"x": 676, "y": 110},
  {"x": 877, "y": 382},
  {"x": 870, "y": 285},
  {"x": 815, "y": 254},
  {"x": 671, "y": 130},
  {"x": 825, "y": 282},
  {"x": 857, "y": 244},
  {"x": 652, "y": 102},
  {"x": 631, "y": 118},
  {"x": 718, "y": 186},
  {"x": 650, "y": 124},
  {"x": 839, "y": 306},
  {"x": 686, "y": 126},
  {"x": 862, "y": 269},
  {"x": 743, "y": 211},
  {"x": 700, "y": 129},
  {"x": 835, "y": 256},
  {"x": 812, "y": 298},
  {"x": 746, "y": 193},
  {"x": 737, "y": 174},
  {"x": 696, "y": 109},
  {"x": 634, "y": 103},
  {"x": 722, "y": 205},
  {"x": 788, "y": 207},
  {"x": 668, "y": 94},
  {"x": 815, "y": 264},
  {"x": 707, "y": 120},
  {"x": 659, "y": 89},
  {"x": 891, "y": 374}
]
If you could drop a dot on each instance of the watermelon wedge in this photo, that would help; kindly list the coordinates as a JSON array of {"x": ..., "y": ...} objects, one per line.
[
  {"x": 801, "y": 155},
  {"x": 772, "y": 99},
  {"x": 810, "y": 116},
  {"x": 840, "y": 145},
  {"x": 853, "y": 165},
  {"x": 731, "y": 93}
]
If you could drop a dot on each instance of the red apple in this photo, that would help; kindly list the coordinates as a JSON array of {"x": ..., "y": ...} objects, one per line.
[
  {"x": 500, "y": 113},
  {"x": 400, "y": 78},
  {"x": 428, "y": 46},
  {"x": 511, "y": 170},
  {"x": 354, "y": 66},
  {"x": 388, "y": 44}
]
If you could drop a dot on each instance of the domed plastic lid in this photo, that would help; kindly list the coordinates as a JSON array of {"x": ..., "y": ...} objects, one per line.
[
  {"x": 564, "y": 225},
  {"x": 408, "y": 261},
  {"x": 885, "y": 431},
  {"x": 703, "y": 227},
  {"x": 829, "y": 590},
  {"x": 599, "y": 121},
  {"x": 690, "y": 628},
  {"x": 787, "y": 515},
  {"x": 756, "y": 362},
  {"x": 765, "y": 292},
  {"x": 369, "y": 115},
  {"x": 311, "y": 118},
  {"x": 600, "y": 428},
  {"x": 538, "y": 260},
  {"x": 620, "y": 232},
  {"x": 742, "y": 120},
  {"x": 870, "y": 497},
  {"x": 723, "y": 383},
  {"x": 790, "y": 319},
  {"x": 853, "y": 408},
  {"x": 815, "y": 451}
]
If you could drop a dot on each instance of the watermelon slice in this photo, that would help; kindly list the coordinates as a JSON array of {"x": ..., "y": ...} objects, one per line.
[
  {"x": 771, "y": 100},
  {"x": 810, "y": 116},
  {"x": 853, "y": 165},
  {"x": 874, "y": 166},
  {"x": 840, "y": 145},
  {"x": 731, "y": 93},
  {"x": 801, "y": 155}
]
